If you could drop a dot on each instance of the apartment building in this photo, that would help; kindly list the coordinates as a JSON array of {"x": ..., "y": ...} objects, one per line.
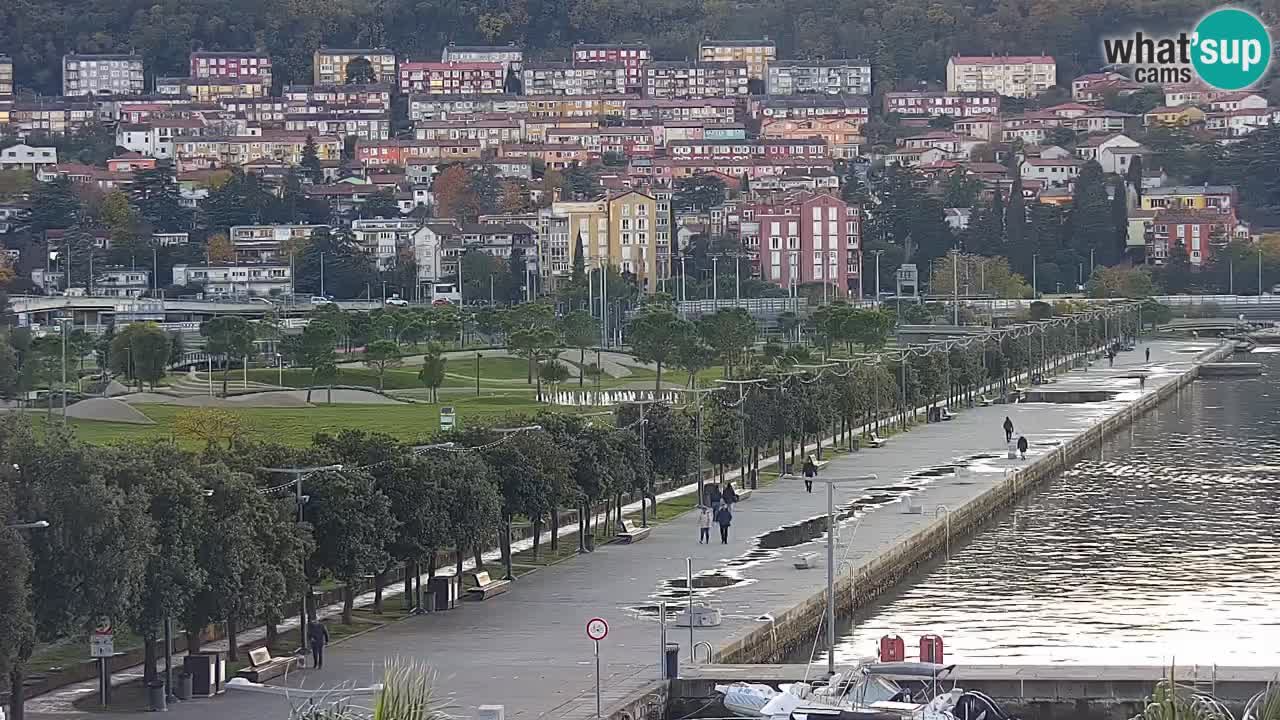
[
  {"x": 510, "y": 56},
  {"x": 453, "y": 78},
  {"x": 757, "y": 54},
  {"x": 1218, "y": 198},
  {"x": 6, "y": 77},
  {"x": 951, "y": 104},
  {"x": 233, "y": 64},
  {"x": 270, "y": 242},
  {"x": 26, "y": 157},
  {"x": 102, "y": 75},
  {"x": 842, "y": 135},
  {"x": 829, "y": 77},
  {"x": 809, "y": 237},
  {"x": 50, "y": 116},
  {"x": 207, "y": 90},
  {"x": 1019, "y": 76},
  {"x": 260, "y": 280},
  {"x": 809, "y": 106},
  {"x": 674, "y": 79},
  {"x": 400, "y": 153},
  {"x": 376, "y": 94},
  {"x": 1200, "y": 233},
  {"x": 121, "y": 282},
  {"x": 383, "y": 239},
  {"x": 633, "y": 56},
  {"x": 329, "y": 65},
  {"x": 633, "y": 237},
  {"x": 572, "y": 78},
  {"x": 196, "y": 153}
]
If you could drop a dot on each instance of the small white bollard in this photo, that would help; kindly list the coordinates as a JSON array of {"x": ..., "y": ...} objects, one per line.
[
  {"x": 1013, "y": 452},
  {"x": 491, "y": 712}
]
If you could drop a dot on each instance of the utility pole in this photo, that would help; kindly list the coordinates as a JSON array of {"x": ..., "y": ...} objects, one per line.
[
  {"x": 698, "y": 393},
  {"x": 1035, "y": 287},
  {"x": 715, "y": 286},
  {"x": 299, "y": 474},
  {"x": 63, "y": 323},
  {"x": 877, "y": 253}
]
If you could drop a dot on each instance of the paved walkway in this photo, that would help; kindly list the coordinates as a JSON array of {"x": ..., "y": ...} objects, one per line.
[{"x": 527, "y": 649}]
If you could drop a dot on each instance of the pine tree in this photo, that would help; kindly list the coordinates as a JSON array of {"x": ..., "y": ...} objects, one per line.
[
  {"x": 1015, "y": 224},
  {"x": 311, "y": 162},
  {"x": 579, "y": 262},
  {"x": 997, "y": 214},
  {"x": 1090, "y": 219},
  {"x": 1134, "y": 176},
  {"x": 1120, "y": 218}
]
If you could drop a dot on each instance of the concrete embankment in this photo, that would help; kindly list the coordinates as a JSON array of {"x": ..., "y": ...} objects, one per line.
[{"x": 876, "y": 574}]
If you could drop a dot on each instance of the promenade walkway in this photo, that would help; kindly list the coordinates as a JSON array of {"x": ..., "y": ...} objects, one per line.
[{"x": 527, "y": 649}]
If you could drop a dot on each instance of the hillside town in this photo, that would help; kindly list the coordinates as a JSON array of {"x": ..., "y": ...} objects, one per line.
[{"x": 631, "y": 161}]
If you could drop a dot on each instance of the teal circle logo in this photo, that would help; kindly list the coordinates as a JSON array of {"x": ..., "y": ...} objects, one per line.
[{"x": 1231, "y": 49}]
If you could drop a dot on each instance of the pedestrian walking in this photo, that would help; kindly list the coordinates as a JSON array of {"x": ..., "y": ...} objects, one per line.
[
  {"x": 724, "y": 518},
  {"x": 810, "y": 472},
  {"x": 704, "y": 525},
  {"x": 318, "y": 636},
  {"x": 1148, "y": 354},
  {"x": 1008, "y": 429},
  {"x": 713, "y": 496},
  {"x": 1111, "y": 358},
  {"x": 729, "y": 496},
  {"x": 1022, "y": 446},
  {"x": 1142, "y": 383}
]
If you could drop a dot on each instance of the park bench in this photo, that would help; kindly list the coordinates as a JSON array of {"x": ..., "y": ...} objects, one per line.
[
  {"x": 263, "y": 667},
  {"x": 986, "y": 401},
  {"x": 876, "y": 441},
  {"x": 629, "y": 533},
  {"x": 806, "y": 561},
  {"x": 945, "y": 415},
  {"x": 485, "y": 587}
]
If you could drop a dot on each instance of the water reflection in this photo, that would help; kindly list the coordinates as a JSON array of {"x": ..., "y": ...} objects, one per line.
[{"x": 1166, "y": 549}]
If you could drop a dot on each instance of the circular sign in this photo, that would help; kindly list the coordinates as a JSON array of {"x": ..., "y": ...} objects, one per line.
[
  {"x": 1232, "y": 49},
  {"x": 597, "y": 629},
  {"x": 103, "y": 627}
]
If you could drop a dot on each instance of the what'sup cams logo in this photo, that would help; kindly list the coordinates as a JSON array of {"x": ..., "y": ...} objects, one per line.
[{"x": 1229, "y": 49}]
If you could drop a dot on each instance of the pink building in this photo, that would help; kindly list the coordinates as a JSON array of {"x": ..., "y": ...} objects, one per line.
[
  {"x": 453, "y": 78},
  {"x": 236, "y": 64},
  {"x": 809, "y": 237}
]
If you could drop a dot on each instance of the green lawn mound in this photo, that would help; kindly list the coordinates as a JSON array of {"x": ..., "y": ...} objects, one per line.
[{"x": 109, "y": 410}]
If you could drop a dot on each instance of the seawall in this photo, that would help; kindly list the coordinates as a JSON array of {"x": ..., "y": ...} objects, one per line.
[{"x": 794, "y": 627}]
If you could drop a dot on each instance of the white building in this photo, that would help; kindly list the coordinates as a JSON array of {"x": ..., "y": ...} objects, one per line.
[
  {"x": 383, "y": 239},
  {"x": 1053, "y": 171},
  {"x": 432, "y": 244},
  {"x": 25, "y": 157},
  {"x": 1113, "y": 152},
  {"x": 1017, "y": 76},
  {"x": 121, "y": 282},
  {"x": 265, "y": 279},
  {"x": 268, "y": 242},
  {"x": 830, "y": 77},
  {"x": 512, "y": 56},
  {"x": 102, "y": 75}
]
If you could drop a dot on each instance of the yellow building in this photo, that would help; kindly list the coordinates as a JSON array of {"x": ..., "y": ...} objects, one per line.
[
  {"x": 329, "y": 65},
  {"x": 633, "y": 232},
  {"x": 757, "y": 54},
  {"x": 590, "y": 220},
  {"x": 1221, "y": 198},
  {"x": 1175, "y": 116}
]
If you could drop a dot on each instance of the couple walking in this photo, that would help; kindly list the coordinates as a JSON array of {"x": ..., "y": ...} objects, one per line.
[
  {"x": 1008, "y": 438},
  {"x": 719, "y": 508}
]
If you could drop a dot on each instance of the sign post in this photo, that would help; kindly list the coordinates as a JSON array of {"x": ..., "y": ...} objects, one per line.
[
  {"x": 597, "y": 630},
  {"x": 102, "y": 647}
]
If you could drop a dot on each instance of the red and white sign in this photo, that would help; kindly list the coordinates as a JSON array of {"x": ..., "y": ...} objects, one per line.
[{"x": 597, "y": 629}]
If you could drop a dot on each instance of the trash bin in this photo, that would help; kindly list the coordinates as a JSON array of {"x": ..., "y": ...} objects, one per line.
[
  {"x": 441, "y": 593},
  {"x": 672, "y": 669},
  {"x": 184, "y": 686},
  {"x": 155, "y": 696},
  {"x": 203, "y": 670}
]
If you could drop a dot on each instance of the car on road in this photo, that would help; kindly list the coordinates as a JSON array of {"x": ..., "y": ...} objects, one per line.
[
  {"x": 320, "y": 300},
  {"x": 261, "y": 301},
  {"x": 396, "y": 301}
]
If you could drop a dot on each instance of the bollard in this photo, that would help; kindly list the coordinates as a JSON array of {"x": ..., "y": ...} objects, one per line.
[
  {"x": 673, "y": 661},
  {"x": 155, "y": 696}
]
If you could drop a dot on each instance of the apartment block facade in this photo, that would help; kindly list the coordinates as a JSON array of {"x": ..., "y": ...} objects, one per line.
[
  {"x": 633, "y": 56},
  {"x": 1019, "y": 76},
  {"x": 6, "y": 77},
  {"x": 673, "y": 80},
  {"x": 329, "y": 65},
  {"x": 757, "y": 54},
  {"x": 952, "y": 104},
  {"x": 452, "y": 78},
  {"x": 235, "y": 64},
  {"x": 102, "y": 75},
  {"x": 572, "y": 78},
  {"x": 510, "y": 56},
  {"x": 809, "y": 237},
  {"x": 829, "y": 77}
]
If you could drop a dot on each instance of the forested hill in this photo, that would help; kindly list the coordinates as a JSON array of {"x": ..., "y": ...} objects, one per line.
[{"x": 907, "y": 40}]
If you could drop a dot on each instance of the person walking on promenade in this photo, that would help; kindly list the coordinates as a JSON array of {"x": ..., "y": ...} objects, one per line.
[
  {"x": 1148, "y": 355},
  {"x": 730, "y": 496},
  {"x": 1008, "y": 429},
  {"x": 810, "y": 472},
  {"x": 318, "y": 636},
  {"x": 704, "y": 525},
  {"x": 713, "y": 496},
  {"x": 1022, "y": 446},
  {"x": 724, "y": 518}
]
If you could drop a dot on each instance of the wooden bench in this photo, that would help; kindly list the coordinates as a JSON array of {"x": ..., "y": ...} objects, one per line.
[
  {"x": 629, "y": 533},
  {"x": 819, "y": 464},
  {"x": 945, "y": 414},
  {"x": 263, "y": 667},
  {"x": 986, "y": 401},
  {"x": 485, "y": 587},
  {"x": 876, "y": 441}
]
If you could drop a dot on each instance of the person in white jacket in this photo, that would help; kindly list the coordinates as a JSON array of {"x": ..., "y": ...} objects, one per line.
[{"x": 704, "y": 525}]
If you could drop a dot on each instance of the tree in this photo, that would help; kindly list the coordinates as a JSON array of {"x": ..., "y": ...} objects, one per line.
[
  {"x": 347, "y": 269},
  {"x": 381, "y": 204},
  {"x": 729, "y": 331},
  {"x": 220, "y": 249},
  {"x": 316, "y": 349},
  {"x": 961, "y": 190},
  {"x": 141, "y": 352},
  {"x": 433, "y": 370},
  {"x": 229, "y": 336},
  {"x": 382, "y": 355},
  {"x": 211, "y": 425},
  {"x": 352, "y": 525},
  {"x": 473, "y": 504},
  {"x": 17, "y": 626},
  {"x": 1120, "y": 218},
  {"x": 579, "y": 276},
  {"x": 699, "y": 193},
  {"x": 693, "y": 356},
  {"x": 155, "y": 194},
  {"x": 581, "y": 331},
  {"x": 1133, "y": 176},
  {"x": 449, "y": 188},
  {"x": 1015, "y": 223},
  {"x": 1090, "y": 221},
  {"x": 360, "y": 72},
  {"x": 311, "y": 167},
  {"x": 655, "y": 336}
]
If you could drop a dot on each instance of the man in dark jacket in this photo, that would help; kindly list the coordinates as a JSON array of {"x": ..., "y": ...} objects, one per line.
[
  {"x": 724, "y": 518},
  {"x": 1022, "y": 446},
  {"x": 318, "y": 636},
  {"x": 1008, "y": 429}
]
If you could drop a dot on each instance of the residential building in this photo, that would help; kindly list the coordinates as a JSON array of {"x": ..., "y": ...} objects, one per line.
[
  {"x": 1199, "y": 233},
  {"x": 401, "y": 152},
  {"x": 510, "y": 56},
  {"x": 1097, "y": 92},
  {"x": 720, "y": 110},
  {"x": 1106, "y": 121},
  {"x": 384, "y": 239},
  {"x": 1175, "y": 116},
  {"x": 572, "y": 78},
  {"x": 433, "y": 243},
  {"x": 809, "y": 106},
  {"x": 102, "y": 75},
  {"x": 459, "y": 107},
  {"x": 376, "y": 94},
  {"x": 193, "y": 153},
  {"x": 6, "y": 78},
  {"x": 933, "y": 104},
  {"x": 829, "y": 77},
  {"x": 211, "y": 89},
  {"x": 120, "y": 282},
  {"x": 843, "y": 136},
  {"x": 258, "y": 279},
  {"x": 633, "y": 237},
  {"x": 489, "y": 133},
  {"x": 984, "y": 128},
  {"x": 501, "y": 239},
  {"x": 810, "y": 148},
  {"x": 270, "y": 242},
  {"x": 1055, "y": 172},
  {"x": 757, "y": 54},
  {"x": 25, "y": 157},
  {"x": 809, "y": 237},
  {"x": 235, "y": 64},
  {"x": 588, "y": 220},
  {"x": 1238, "y": 123},
  {"x": 364, "y": 127},
  {"x": 633, "y": 56},
  {"x": 1191, "y": 94},
  {"x": 675, "y": 79},
  {"x": 1080, "y": 86},
  {"x": 1113, "y": 152},
  {"x": 329, "y": 65},
  {"x": 55, "y": 116},
  {"x": 1218, "y": 198},
  {"x": 1225, "y": 102},
  {"x": 453, "y": 78},
  {"x": 155, "y": 138},
  {"x": 1019, "y": 76}
]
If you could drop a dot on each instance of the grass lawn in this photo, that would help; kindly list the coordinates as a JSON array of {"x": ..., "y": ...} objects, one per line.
[{"x": 297, "y": 426}]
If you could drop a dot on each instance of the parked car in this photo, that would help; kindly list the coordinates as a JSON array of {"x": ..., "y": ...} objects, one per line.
[
  {"x": 320, "y": 300},
  {"x": 397, "y": 301},
  {"x": 261, "y": 301}
]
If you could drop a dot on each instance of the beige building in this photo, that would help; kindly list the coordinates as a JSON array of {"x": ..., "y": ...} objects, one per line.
[
  {"x": 757, "y": 54},
  {"x": 329, "y": 65},
  {"x": 590, "y": 220},
  {"x": 6, "y": 77},
  {"x": 1017, "y": 76},
  {"x": 633, "y": 247}
]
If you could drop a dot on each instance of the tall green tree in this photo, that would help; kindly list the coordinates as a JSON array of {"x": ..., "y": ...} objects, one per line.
[
  {"x": 382, "y": 355},
  {"x": 155, "y": 195},
  {"x": 433, "y": 368},
  {"x": 729, "y": 332},
  {"x": 140, "y": 352},
  {"x": 231, "y": 337},
  {"x": 311, "y": 167},
  {"x": 1120, "y": 218},
  {"x": 1090, "y": 220},
  {"x": 655, "y": 337},
  {"x": 580, "y": 331},
  {"x": 352, "y": 525}
]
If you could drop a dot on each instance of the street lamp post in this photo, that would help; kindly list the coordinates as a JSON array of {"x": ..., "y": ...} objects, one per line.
[
  {"x": 831, "y": 565},
  {"x": 877, "y": 253},
  {"x": 1035, "y": 286},
  {"x": 62, "y": 323},
  {"x": 715, "y": 289},
  {"x": 322, "y": 274}
]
